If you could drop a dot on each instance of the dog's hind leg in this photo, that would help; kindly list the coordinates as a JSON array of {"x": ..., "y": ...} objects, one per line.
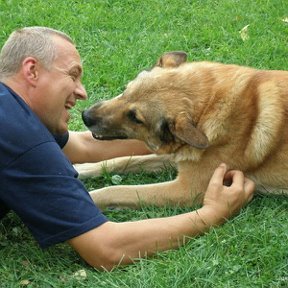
[{"x": 149, "y": 163}]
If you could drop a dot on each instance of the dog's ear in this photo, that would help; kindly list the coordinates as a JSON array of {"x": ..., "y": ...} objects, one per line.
[
  {"x": 172, "y": 59},
  {"x": 184, "y": 129}
]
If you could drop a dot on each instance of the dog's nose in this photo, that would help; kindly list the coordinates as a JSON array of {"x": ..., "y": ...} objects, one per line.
[{"x": 87, "y": 118}]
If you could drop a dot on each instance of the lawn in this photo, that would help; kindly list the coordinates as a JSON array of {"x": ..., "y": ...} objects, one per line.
[{"x": 116, "y": 40}]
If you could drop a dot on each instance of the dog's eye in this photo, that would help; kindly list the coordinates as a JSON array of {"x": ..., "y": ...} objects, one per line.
[{"x": 132, "y": 117}]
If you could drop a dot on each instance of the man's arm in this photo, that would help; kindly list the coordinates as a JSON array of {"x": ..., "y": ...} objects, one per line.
[
  {"x": 114, "y": 244},
  {"x": 83, "y": 148}
]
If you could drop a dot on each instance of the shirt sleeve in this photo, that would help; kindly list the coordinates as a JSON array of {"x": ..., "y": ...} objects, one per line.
[{"x": 43, "y": 189}]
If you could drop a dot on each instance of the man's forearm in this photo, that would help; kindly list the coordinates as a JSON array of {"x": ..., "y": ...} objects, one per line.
[
  {"x": 83, "y": 148},
  {"x": 160, "y": 234},
  {"x": 125, "y": 242},
  {"x": 119, "y": 148}
]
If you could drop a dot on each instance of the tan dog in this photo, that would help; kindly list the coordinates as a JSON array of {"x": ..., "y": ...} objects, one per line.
[{"x": 201, "y": 114}]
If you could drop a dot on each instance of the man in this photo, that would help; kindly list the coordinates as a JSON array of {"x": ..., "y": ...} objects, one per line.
[{"x": 40, "y": 71}]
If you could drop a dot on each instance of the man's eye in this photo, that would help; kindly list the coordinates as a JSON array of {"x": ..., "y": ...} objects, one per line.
[
  {"x": 74, "y": 77},
  {"x": 132, "y": 117}
]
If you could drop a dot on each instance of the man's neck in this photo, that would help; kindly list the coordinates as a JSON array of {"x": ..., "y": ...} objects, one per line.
[{"x": 19, "y": 87}]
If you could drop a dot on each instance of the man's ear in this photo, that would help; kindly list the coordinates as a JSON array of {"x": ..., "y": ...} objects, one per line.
[
  {"x": 30, "y": 69},
  {"x": 172, "y": 59},
  {"x": 184, "y": 129}
]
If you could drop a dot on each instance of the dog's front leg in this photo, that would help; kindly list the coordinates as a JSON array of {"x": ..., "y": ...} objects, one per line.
[
  {"x": 187, "y": 189},
  {"x": 173, "y": 193}
]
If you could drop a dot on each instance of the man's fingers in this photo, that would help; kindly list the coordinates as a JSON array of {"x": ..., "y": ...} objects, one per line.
[
  {"x": 235, "y": 177},
  {"x": 239, "y": 180},
  {"x": 219, "y": 174},
  {"x": 249, "y": 187}
]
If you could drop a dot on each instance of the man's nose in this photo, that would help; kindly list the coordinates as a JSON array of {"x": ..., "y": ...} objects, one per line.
[{"x": 80, "y": 92}]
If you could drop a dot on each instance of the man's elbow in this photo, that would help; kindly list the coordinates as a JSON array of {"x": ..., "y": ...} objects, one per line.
[
  {"x": 100, "y": 248},
  {"x": 107, "y": 261}
]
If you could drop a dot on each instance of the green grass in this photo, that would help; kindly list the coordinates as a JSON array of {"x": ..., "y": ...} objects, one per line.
[{"x": 116, "y": 40}]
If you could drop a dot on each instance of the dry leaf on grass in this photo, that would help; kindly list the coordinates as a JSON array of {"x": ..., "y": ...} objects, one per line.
[
  {"x": 244, "y": 33},
  {"x": 80, "y": 275},
  {"x": 25, "y": 282}
]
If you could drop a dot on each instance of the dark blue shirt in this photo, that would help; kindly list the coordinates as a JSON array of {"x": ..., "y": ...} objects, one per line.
[{"x": 37, "y": 181}]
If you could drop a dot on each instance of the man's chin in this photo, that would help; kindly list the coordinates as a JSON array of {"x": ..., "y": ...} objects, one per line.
[
  {"x": 63, "y": 129},
  {"x": 59, "y": 130}
]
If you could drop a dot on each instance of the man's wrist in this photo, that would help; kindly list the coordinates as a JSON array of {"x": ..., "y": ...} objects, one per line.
[{"x": 210, "y": 216}]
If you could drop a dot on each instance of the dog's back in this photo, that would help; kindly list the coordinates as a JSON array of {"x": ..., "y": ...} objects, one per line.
[{"x": 244, "y": 117}]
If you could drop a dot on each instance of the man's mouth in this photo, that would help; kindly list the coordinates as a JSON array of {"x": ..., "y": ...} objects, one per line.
[{"x": 69, "y": 105}]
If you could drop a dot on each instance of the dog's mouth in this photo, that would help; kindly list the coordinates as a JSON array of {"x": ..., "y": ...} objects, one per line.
[{"x": 108, "y": 137}]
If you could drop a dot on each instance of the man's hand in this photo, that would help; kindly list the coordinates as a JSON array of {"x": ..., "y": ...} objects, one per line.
[{"x": 222, "y": 202}]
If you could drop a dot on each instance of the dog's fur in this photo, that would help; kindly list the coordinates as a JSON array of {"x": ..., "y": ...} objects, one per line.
[{"x": 201, "y": 114}]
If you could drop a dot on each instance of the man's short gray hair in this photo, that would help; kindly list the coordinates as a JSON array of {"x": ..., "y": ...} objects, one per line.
[{"x": 34, "y": 42}]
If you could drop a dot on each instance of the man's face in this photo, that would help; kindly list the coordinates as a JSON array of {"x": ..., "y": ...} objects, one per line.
[{"x": 59, "y": 87}]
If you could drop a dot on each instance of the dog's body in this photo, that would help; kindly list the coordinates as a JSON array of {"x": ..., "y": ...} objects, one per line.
[{"x": 201, "y": 114}]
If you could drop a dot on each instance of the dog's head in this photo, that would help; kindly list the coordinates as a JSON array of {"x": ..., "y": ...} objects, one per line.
[{"x": 156, "y": 107}]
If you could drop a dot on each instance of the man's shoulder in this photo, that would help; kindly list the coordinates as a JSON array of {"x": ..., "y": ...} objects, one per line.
[
  {"x": 18, "y": 121},
  {"x": 21, "y": 129}
]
